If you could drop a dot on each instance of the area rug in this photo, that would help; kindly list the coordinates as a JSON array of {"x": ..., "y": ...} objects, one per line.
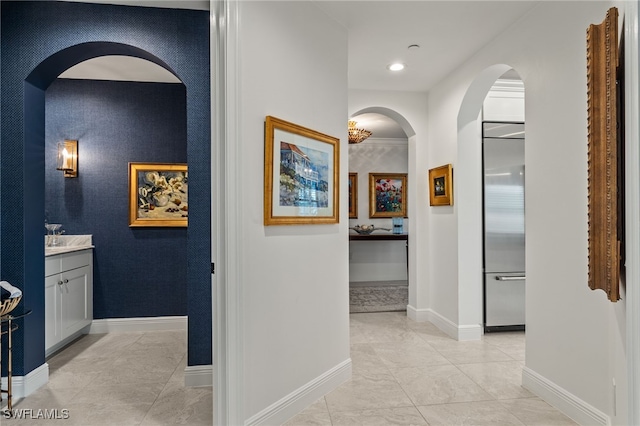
[{"x": 378, "y": 297}]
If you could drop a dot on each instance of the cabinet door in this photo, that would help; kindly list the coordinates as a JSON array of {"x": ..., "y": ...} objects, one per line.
[
  {"x": 52, "y": 329},
  {"x": 76, "y": 311}
]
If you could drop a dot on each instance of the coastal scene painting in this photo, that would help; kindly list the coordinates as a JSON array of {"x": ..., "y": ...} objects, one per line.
[{"x": 301, "y": 175}]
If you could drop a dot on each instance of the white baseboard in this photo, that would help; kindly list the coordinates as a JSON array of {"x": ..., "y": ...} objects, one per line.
[
  {"x": 418, "y": 315},
  {"x": 470, "y": 332},
  {"x": 198, "y": 375},
  {"x": 287, "y": 407},
  {"x": 567, "y": 403},
  {"x": 112, "y": 325},
  {"x": 458, "y": 332},
  {"x": 22, "y": 386}
]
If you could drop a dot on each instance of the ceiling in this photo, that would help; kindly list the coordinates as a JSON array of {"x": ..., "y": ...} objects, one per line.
[
  {"x": 447, "y": 33},
  {"x": 379, "y": 33}
]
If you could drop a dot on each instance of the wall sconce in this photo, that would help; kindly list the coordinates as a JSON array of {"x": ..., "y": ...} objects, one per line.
[{"x": 68, "y": 158}]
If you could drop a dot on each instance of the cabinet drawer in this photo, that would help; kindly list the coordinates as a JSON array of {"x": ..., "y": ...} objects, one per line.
[
  {"x": 75, "y": 260},
  {"x": 51, "y": 265},
  {"x": 66, "y": 262}
]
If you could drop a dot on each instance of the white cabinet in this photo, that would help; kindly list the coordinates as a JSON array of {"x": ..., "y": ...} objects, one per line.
[{"x": 68, "y": 289}]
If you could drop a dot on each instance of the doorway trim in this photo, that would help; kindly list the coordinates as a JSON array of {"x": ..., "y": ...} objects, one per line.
[
  {"x": 35, "y": 86},
  {"x": 227, "y": 310},
  {"x": 632, "y": 213}
]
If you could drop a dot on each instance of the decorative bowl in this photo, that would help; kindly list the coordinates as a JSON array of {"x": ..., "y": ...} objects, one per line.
[
  {"x": 367, "y": 229},
  {"x": 9, "y": 305}
]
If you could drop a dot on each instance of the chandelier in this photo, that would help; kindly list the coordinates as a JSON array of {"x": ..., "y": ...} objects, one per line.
[{"x": 357, "y": 135}]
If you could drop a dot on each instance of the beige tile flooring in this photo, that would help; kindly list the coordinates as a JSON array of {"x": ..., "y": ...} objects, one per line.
[
  {"x": 408, "y": 373},
  {"x": 404, "y": 373},
  {"x": 120, "y": 379}
]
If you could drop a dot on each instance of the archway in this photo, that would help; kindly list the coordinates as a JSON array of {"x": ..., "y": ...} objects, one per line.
[
  {"x": 468, "y": 188},
  {"x": 35, "y": 87},
  {"x": 397, "y": 262},
  {"x": 395, "y": 116}
]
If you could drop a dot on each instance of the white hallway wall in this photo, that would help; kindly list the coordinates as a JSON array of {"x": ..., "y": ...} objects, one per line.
[
  {"x": 575, "y": 337},
  {"x": 569, "y": 327},
  {"x": 294, "y": 279}
]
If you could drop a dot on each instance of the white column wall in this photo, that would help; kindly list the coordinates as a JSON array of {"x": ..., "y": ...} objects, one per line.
[
  {"x": 294, "y": 281},
  {"x": 569, "y": 327}
]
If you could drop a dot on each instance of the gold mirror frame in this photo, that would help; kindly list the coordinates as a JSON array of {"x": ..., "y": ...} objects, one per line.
[{"x": 603, "y": 160}]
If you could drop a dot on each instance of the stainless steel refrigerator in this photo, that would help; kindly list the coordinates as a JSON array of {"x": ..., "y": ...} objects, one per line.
[{"x": 504, "y": 236}]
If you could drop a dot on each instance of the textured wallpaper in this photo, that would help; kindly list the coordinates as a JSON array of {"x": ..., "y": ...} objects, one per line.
[{"x": 39, "y": 41}]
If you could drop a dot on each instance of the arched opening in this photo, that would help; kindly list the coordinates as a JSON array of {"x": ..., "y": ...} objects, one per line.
[
  {"x": 469, "y": 196},
  {"x": 379, "y": 263},
  {"x": 35, "y": 88}
]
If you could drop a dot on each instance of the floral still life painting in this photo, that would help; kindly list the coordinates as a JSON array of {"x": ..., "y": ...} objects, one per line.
[
  {"x": 158, "y": 194},
  {"x": 387, "y": 195}
]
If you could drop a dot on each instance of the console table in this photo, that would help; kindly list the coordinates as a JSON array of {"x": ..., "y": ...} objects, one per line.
[
  {"x": 7, "y": 326},
  {"x": 383, "y": 237}
]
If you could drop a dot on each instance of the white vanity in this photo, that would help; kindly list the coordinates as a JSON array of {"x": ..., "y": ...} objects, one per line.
[{"x": 68, "y": 290}]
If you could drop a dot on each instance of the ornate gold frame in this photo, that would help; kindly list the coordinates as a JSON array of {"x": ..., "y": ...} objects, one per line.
[
  {"x": 445, "y": 174},
  {"x": 373, "y": 193},
  {"x": 302, "y": 137},
  {"x": 603, "y": 159},
  {"x": 178, "y": 218},
  {"x": 353, "y": 195}
]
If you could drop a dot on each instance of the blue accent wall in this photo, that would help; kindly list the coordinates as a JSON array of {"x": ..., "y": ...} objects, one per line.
[
  {"x": 138, "y": 272},
  {"x": 39, "y": 40}
]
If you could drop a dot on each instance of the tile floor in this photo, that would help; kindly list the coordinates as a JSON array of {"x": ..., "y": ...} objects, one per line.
[
  {"x": 404, "y": 373},
  {"x": 408, "y": 373},
  {"x": 120, "y": 379}
]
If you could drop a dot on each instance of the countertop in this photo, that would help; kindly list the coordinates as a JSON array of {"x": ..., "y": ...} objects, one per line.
[{"x": 68, "y": 244}]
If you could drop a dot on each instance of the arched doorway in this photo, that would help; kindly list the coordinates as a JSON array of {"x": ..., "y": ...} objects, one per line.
[
  {"x": 469, "y": 196},
  {"x": 389, "y": 156},
  {"x": 35, "y": 87},
  {"x": 29, "y": 41}
]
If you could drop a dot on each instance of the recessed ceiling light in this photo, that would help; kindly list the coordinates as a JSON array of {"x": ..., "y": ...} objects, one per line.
[
  {"x": 413, "y": 47},
  {"x": 397, "y": 66}
]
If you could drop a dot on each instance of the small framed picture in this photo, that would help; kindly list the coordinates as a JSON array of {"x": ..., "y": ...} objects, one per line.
[
  {"x": 441, "y": 186},
  {"x": 353, "y": 195},
  {"x": 387, "y": 195}
]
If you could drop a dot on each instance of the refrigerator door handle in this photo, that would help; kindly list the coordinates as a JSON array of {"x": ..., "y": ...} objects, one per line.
[{"x": 510, "y": 278}]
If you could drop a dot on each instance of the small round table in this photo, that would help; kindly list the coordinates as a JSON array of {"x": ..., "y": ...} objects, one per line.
[{"x": 9, "y": 328}]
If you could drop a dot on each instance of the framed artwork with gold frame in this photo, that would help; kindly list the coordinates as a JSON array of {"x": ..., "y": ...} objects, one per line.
[
  {"x": 353, "y": 195},
  {"x": 441, "y": 186},
  {"x": 301, "y": 170},
  {"x": 387, "y": 195},
  {"x": 158, "y": 195},
  {"x": 604, "y": 165}
]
